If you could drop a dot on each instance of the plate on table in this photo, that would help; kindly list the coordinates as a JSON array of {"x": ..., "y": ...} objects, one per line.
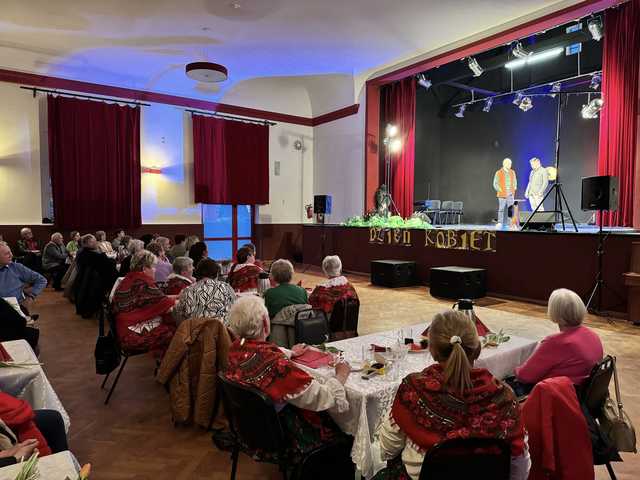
[{"x": 418, "y": 348}]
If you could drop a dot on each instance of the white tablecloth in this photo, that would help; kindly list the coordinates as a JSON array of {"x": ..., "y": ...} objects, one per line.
[
  {"x": 52, "y": 467},
  {"x": 370, "y": 400},
  {"x": 29, "y": 383}
]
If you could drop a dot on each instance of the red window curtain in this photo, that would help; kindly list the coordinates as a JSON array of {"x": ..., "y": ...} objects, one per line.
[
  {"x": 399, "y": 102},
  {"x": 94, "y": 162},
  {"x": 619, "y": 116},
  {"x": 231, "y": 161}
]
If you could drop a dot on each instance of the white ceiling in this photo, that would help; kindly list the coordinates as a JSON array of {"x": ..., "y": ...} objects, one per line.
[{"x": 144, "y": 44}]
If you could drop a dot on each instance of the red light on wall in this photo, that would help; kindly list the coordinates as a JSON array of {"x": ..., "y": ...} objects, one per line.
[{"x": 156, "y": 170}]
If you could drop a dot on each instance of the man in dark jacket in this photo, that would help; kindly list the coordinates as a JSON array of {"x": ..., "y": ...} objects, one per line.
[{"x": 54, "y": 260}]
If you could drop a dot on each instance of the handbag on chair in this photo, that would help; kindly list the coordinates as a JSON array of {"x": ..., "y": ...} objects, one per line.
[
  {"x": 615, "y": 422},
  {"x": 106, "y": 353}
]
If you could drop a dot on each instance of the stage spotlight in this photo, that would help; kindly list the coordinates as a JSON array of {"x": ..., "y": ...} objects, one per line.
[
  {"x": 555, "y": 88},
  {"x": 518, "y": 98},
  {"x": 461, "y": 110},
  {"x": 475, "y": 67},
  {"x": 519, "y": 52},
  {"x": 526, "y": 104},
  {"x": 592, "y": 108},
  {"x": 424, "y": 81},
  {"x": 595, "y": 28},
  {"x": 534, "y": 58},
  {"x": 391, "y": 130},
  {"x": 487, "y": 104},
  {"x": 596, "y": 80},
  {"x": 395, "y": 145}
]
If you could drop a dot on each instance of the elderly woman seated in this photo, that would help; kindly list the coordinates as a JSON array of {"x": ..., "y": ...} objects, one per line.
[
  {"x": 208, "y": 297},
  {"x": 103, "y": 244},
  {"x": 181, "y": 277},
  {"x": 301, "y": 401},
  {"x": 447, "y": 400},
  {"x": 134, "y": 246},
  {"x": 284, "y": 294},
  {"x": 143, "y": 312},
  {"x": 243, "y": 276},
  {"x": 571, "y": 353},
  {"x": 336, "y": 288},
  {"x": 163, "y": 267}
]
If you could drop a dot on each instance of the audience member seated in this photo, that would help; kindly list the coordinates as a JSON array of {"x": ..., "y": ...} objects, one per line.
[
  {"x": 144, "y": 322},
  {"x": 302, "y": 402},
  {"x": 28, "y": 251},
  {"x": 447, "y": 400},
  {"x": 197, "y": 252},
  {"x": 116, "y": 242},
  {"x": 147, "y": 238},
  {"x": 163, "y": 267},
  {"x": 24, "y": 431},
  {"x": 74, "y": 244},
  {"x": 190, "y": 242},
  {"x": 17, "y": 280},
  {"x": 181, "y": 277},
  {"x": 254, "y": 253},
  {"x": 165, "y": 243},
  {"x": 133, "y": 247},
  {"x": 54, "y": 260},
  {"x": 179, "y": 248},
  {"x": 571, "y": 353},
  {"x": 104, "y": 245},
  {"x": 337, "y": 288},
  {"x": 284, "y": 294},
  {"x": 94, "y": 278},
  {"x": 15, "y": 325},
  {"x": 208, "y": 297},
  {"x": 243, "y": 276},
  {"x": 123, "y": 249}
]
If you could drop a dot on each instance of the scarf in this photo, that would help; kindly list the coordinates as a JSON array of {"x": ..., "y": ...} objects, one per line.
[
  {"x": 137, "y": 299},
  {"x": 244, "y": 277},
  {"x": 325, "y": 297},
  {"x": 429, "y": 414},
  {"x": 19, "y": 417},
  {"x": 264, "y": 366}
]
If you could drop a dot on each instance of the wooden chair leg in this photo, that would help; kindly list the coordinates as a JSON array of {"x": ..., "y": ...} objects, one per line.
[{"x": 115, "y": 382}]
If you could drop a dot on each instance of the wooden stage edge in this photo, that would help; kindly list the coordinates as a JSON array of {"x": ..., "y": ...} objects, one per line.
[{"x": 520, "y": 265}]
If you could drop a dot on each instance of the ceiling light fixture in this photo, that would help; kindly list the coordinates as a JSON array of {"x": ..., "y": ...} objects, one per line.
[
  {"x": 475, "y": 67},
  {"x": 487, "y": 105},
  {"x": 519, "y": 51},
  {"x": 595, "y": 28},
  {"x": 534, "y": 58},
  {"x": 206, "y": 72},
  {"x": 424, "y": 81},
  {"x": 592, "y": 108},
  {"x": 596, "y": 80},
  {"x": 461, "y": 110},
  {"x": 526, "y": 104}
]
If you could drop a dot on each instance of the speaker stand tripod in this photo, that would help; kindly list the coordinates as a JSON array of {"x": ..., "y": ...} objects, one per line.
[{"x": 557, "y": 208}]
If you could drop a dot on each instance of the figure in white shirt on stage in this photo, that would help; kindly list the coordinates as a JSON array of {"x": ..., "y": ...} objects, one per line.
[
  {"x": 538, "y": 183},
  {"x": 505, "y": 184}
]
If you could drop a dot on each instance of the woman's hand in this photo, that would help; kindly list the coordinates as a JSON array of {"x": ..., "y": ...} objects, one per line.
[
  {"x": 21, "y": 450},
  {"x": 343, "y": 369},
  {"x": 299, "y": 349}
]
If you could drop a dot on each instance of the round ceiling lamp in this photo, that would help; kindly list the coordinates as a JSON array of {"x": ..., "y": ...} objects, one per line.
[{"x": 206, "y": 72}]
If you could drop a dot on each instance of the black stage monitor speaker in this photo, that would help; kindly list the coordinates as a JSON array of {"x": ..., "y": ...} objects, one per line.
[
  {"x": 322, "y": 204},
  {"x": 458, "y": 282},
  {"x": 600, "y": 193},
  {"x": 393, "y": 273},
  {"x": 540, "y": 221}
]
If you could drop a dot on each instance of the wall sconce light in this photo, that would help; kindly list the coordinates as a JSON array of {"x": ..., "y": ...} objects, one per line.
[{"x": 155, "y": 170}]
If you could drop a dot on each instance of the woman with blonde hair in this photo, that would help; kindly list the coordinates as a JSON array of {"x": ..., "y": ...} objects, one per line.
[{"x": 447, "y": 400}]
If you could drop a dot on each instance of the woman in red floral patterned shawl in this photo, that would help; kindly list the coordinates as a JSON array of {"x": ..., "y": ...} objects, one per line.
[
  {"x": 449, "y": 399},
  {"x": 143, "y": 312},
  {"x": 336, "y": 288},
  {"x": 301, "y": 401},
  {"x": 243, "y": 276}
]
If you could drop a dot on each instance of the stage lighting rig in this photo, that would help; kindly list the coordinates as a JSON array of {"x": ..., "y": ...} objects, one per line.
[
  {"x": 519, "y": 51},
  {"x": 555, "y": 88},
  {"x": 391, "y": 141},
  {"x": 534, "y": 58},
  {"x": 526, "y": 104},
  {"x": 461, "y": 110},
  {"x": 595, "y": 28},
  {"x": 596, "y": 80},
  {"x": 518, "y": 98},
  {"x": 487, "y": 105},
  {"x": 424, "y": 81},
  {"x": 592, "y": 108},
  {"x": 475, "y": 67}
]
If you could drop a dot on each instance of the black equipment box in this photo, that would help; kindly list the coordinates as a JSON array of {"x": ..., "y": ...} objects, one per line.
[
  {"x": 393, "y": 273},
  {"x": 458, "y": 282}
]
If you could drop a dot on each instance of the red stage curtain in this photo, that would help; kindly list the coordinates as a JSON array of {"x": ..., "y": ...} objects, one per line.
[
  {"x": 618, "y": 118},
  {"x": 94, "y": 162},
  {"x": 231, "y": 161},
  {"x": 399, "y": 101}
]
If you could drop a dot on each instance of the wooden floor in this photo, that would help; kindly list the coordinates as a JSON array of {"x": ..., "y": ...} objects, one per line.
[{"x": 133, "y": 438}]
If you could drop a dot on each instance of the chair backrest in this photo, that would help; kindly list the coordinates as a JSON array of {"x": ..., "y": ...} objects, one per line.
[
  {"x": 477, "y": 458},
  {"x": 447, "y": 205},
  {"x": 595, "y": 388},
  {"x": 435, "y": 205},
  {"x": 458, "y": 206},
  {"x": 311, "y": 327},
  {"x": 343, "y": 322},
  {"x": 252, "y": 417}
]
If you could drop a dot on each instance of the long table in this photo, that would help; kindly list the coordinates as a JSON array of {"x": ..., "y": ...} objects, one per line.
[{"x": 370, "y": 400}]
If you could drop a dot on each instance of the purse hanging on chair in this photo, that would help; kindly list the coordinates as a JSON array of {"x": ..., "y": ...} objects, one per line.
[
  {"x": 107, "y": 354},
  {"x": 615, "y": 422}
]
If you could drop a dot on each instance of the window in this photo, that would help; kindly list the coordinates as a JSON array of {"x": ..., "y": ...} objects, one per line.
[{"x": 226, "y": 228}]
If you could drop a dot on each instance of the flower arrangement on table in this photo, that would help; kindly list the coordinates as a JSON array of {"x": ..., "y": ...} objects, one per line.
[
  {"x": 394, "y": 221},
  {"x": 29, "y": 470}
]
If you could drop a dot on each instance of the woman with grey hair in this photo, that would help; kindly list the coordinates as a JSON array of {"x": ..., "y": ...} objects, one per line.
[
  {"x": 284, "y": 294},
  {"x": 302, "y": 401},
  {"x": 133, "y": 247},
  {"x": 103, "y": 244},
  {"x": 144, "y": 321},
  {"x": 335, "y": 289},
  {"x": 181, "y": 277},
  {"x": 573, "y": 352}
]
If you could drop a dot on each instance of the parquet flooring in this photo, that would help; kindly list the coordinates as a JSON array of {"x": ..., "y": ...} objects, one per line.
[{"x": 133, "y": 439}]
